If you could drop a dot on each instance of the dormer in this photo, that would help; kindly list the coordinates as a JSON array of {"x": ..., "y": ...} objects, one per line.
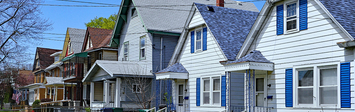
[{"x": 56, "y": 56}]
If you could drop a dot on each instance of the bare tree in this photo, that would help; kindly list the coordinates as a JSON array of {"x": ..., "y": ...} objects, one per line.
[
  {"x": 141, "y": 87},
  {"x": 20, "y": 25}
]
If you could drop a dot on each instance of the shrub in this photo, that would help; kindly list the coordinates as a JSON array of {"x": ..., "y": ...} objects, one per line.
[{"x": 36, "y": 104}]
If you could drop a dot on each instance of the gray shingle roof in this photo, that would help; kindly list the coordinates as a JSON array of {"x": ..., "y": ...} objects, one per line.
[
  {"x": 253, "y": 56},
  {"x": 176, "y": 68},
  {"x": 343, "y": 11},
  {"x": 77, "y": 38},
  {"x": 172, "y": 14},
  {"x": 54, "y": 80},
  {"x": 229, "y": 26}
]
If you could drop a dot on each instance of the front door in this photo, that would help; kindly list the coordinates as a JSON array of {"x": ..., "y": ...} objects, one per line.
[
  {"x": 260, "y": 92},
  {"x": 180, "y": 97}
]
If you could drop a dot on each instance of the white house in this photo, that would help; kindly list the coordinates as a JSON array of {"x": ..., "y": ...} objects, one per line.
[
  {"x": 310, "y": 71},
  {"x": 212, "y": 34}
]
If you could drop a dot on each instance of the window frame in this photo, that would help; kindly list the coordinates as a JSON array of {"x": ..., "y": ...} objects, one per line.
[
  {"x": 126, "y": 54},
  {"x": 297, "y": 17},
  {"x": 201, "y": 40},
  {"x": 316, "y": 85},
  {"x": 211, "y": 91},
  {"x": 137, "y": 85},
  {"x": 142, "y": 48}
]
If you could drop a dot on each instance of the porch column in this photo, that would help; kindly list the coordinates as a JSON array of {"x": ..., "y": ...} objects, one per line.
[
  {"x": 84, "y": 91},
  {"x": 56, "y": 93},
  {"x": 91, "y": 93},
  {"x": 38, "y": 94},
  {"x": 50, "y": 93},
  {"x": 118, "y": 93},
  {"x": 45, "y": 92},
  {"x": 64, "y": 92},
  {"x": 106, "y": 92}
]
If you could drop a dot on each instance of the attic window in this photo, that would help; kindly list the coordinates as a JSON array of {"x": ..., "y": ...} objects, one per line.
[
  {"x": 210, "y": 8},
  {"x": 133, "y": 12}
]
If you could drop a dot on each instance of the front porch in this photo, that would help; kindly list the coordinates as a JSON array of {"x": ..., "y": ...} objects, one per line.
[
  {"x": 248, "y": 84},
  {"x": 104, "y": 94}
]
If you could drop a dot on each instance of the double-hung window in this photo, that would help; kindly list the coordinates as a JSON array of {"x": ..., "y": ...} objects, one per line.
[
  {"x": 136, "y": 88},
  {"x": 142, "y": 48},
  {"x": 317, "y": 86},
  {"x": 211, "y": 90},
  {"x": 198, "y": 42},
  {"x": 291, "y": 18},
  {"x": 125, "y": 51}
]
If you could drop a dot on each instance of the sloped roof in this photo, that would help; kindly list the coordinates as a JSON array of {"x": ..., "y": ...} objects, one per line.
[
  {"x": 54, "y": 80},
  {"x": 253, "y": 56},
  {"x": 172, "y": 15},
  {"x": 76, "y": 38},
  {"x": 99, "y": 38},
  {"x": 176, "y": 68},
  {"x": 44, "y": 57},
  {"x": 343, "y": 11},
  {"x": 229, "y": 26}
]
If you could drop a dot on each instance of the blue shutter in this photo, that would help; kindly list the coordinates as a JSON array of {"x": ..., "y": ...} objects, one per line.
[
  {"x": 289, "y": 87},
  {"x": 280, "y": 20},
  {"x": 157, "y": 93},
  {"x": 223, "y": 91},
  {"x": 192, "y": 41},
  {"x": 345, "y": 85},
  {"x": 303, "y": 14},
  {"x": 198, "y": 87},
  {"x": 204, "y": 40}
]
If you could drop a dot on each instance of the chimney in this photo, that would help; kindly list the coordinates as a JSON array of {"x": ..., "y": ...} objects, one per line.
[{"x": 220, "y": 3}]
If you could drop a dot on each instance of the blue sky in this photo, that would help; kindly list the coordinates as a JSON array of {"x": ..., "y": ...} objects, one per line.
[{"x": 75, "y": 17}]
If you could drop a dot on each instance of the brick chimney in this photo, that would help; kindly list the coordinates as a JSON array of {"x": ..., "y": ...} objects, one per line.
[{"x": 220, "y": 3}]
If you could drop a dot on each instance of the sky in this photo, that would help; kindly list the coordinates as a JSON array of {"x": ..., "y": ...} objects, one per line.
[{"x": 63, "y": 17}]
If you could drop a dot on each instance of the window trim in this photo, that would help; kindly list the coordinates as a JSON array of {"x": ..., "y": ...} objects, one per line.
[
  {"x": 137, "y": 85},
  {"x": 124, "y": 53},
  {"x": 140, "y": 48},
  {"x": 211, "y": 78},
  {"x": 198, "y": 29},
  {"x": 297, "y": 17},
  {"x": 316, "y": 83}
]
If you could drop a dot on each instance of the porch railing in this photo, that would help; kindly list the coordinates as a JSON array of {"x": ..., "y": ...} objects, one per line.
[
  {"x": 99, "y": 105},
  {"x": 251, "y": 109}
]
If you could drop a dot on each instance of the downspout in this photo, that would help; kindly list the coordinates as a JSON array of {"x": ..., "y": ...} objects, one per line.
[{"x": 161, "y": 53}]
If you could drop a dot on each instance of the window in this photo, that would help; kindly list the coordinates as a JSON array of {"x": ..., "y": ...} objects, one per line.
[
  {"x": 181, "y": 95},
  {"x": 125, "y": 51},
  {"x": 56, "y": 58},
  {"x": 291, "y": 18},
  {"x": 317, "y": 88},
  {"x": 198, "y": 42},
  {"x": 136, "y": 88},
  {"x": 38, "y": 63},
  {"x": 142, "y": 48},
  {"x": 100, "y": 56},
  {"x": 211, "y": 91},
  {"x": 134, "y": 13}
]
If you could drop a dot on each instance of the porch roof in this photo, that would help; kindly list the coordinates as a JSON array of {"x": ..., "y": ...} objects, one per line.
[
  {"x": 54, "y": 80},
  {"x": 254, "y": 60},
  {"x": 175, "y": 71},
  {"x": 119, "y": 69}
]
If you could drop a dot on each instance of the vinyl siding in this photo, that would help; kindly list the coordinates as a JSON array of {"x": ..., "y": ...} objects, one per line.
[
  {"x": 201, "y": 64},
  {"x": 237, "y": 89},
  {"x": 169, "y": 43},
  {"x": 109, "y": 55},
  {"x": 99, "y": 92},
  {"x": 132, "y": 31},
  {"x": 316, "y": 45}
]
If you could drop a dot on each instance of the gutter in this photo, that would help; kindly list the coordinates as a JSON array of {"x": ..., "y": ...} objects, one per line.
[{"x": 347, "y": 44}]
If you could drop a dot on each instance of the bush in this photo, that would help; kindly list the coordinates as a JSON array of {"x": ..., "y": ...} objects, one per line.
[
  {"x": 87, "y": 110},
  {"x": 36, "y": 104}
]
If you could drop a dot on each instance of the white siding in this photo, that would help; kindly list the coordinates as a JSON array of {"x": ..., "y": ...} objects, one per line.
[
  {"x": 316, "y": 45},
  {"x": 131, "y": 32},
  {"x": 202, "y": 64}
]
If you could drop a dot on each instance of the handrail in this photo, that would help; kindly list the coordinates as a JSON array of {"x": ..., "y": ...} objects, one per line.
[{"x": 165, "y": 109}]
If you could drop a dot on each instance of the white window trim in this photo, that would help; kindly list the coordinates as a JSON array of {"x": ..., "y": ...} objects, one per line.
[
  {"x": 211, "y": 91},
  {"x": 297, "y": 18},
  {"x": 316, "y": 83},
  {"x": 195, "y": 39},
  {"x": 140, "y": 48},
  {"x": 137, "y": 85},
  {"x": 126, "y": 54}
]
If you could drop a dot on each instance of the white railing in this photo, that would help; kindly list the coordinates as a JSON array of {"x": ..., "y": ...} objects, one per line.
[
  {"x": 97, "y": 105},
  {"x": 165, "y": 109},
  {"x": 250, "y": 109}
]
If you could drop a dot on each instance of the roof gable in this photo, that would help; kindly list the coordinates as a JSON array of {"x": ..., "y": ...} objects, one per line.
[
  {"x": 98, "y": 38},
  {"x": 44, "y": 57},
  {"x": 229, "y": 26},
  {"x": 166, "y": 16},
  {"x": 176, "y": 68},
  {"x": 253, "y": 56}
]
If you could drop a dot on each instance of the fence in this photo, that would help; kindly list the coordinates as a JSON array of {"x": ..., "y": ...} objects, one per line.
[{"x": 250, "y": 109}]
